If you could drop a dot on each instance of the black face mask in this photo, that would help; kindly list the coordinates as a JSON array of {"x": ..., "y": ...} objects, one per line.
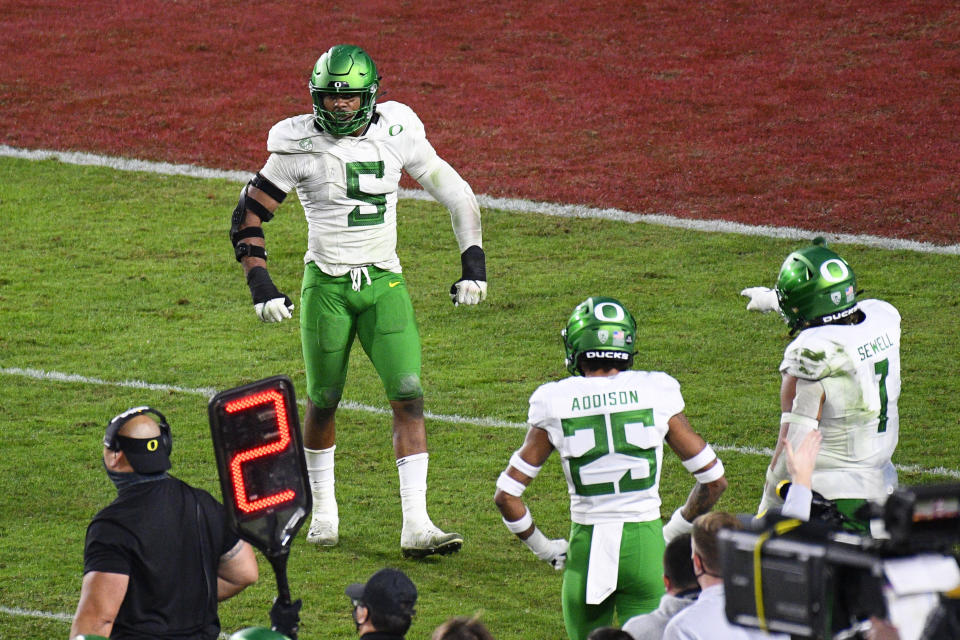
[{"x": 122, "y": 480}]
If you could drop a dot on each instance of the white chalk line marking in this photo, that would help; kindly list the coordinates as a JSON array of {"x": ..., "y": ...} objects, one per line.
[
  {"x": 506, "y": 204},
  {"x": 481, "y": 421},
  {"x": 65, "y": 617}
]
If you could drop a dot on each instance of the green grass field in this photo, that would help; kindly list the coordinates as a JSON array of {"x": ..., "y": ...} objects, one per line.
[{"x": 119, "y": 277}]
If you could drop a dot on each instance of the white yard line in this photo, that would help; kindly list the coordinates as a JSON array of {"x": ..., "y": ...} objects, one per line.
[
  {"x": 506, "y": 204},
  {"x": 65, "y": 617},
  {"x": 30, "y": 613},
  {"x": 481, "y": 421}
]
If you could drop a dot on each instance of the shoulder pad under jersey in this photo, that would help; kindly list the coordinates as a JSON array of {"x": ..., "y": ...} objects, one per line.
[
  {"x": 394, "y": 115},
  {"x": 873, "y": 306},
  {"x": 294, "y": 135},
  {"x": 813, "y": 357},
  {"x": 664, "y": 380}
]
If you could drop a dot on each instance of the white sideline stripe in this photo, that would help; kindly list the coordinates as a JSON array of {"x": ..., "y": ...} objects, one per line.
[
  {"x": 506, "y": 204},
  {"x": 28, "y": 613},
  {"x": 209, "y": 392},
  {"x": 66, "y": 617},
  {"x": 38, "y": 374}
]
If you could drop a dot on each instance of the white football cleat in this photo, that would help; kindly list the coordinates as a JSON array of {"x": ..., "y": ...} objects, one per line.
[
  {"x": 323, "y": 530},
  {"x": 429, "y": 541}
]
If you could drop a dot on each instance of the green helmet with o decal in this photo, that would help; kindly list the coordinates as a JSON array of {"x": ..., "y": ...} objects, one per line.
[
  {"x": 349, "y": 70},
  {"x": 600, "y": 329},
  {"x": 815, "y": 284}
]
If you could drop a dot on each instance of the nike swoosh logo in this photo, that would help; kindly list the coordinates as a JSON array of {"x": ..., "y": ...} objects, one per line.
[{"x": 393, "y": 284}]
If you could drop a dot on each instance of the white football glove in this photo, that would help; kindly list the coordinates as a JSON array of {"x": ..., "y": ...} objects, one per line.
[
  {"x": 553, "y": 552},
  {"x": 678, "y": 525},
  {"x": 762, "y": 299},
  {"x": 468, "y": 292},
  {"x": 270, "y": 304},
  {"x": 274, "y": 310}
]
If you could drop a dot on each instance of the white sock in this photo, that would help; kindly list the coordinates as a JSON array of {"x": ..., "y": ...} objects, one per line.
[
  {"x": 413, "y": 490},
  {"x": 320, "y": 471}
]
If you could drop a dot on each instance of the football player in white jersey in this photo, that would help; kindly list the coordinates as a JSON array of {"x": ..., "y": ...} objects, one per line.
[
  {"x": 841, "y": 375},
  {"x": 608, "y": 424},
  {"x": 345, "y": 161}
]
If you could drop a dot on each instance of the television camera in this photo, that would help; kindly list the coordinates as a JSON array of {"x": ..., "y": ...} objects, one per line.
[{"x": 818, "y": 580}]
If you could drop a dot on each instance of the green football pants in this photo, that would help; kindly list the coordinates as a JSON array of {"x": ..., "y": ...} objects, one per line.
[
  {"x": 639, "y": 578},
  {"x": 332, "y": 314}
]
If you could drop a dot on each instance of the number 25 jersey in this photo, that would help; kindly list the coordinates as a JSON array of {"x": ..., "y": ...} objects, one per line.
[{"x": 609, "y": 432}]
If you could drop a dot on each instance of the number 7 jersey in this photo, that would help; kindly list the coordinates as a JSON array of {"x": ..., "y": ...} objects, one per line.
[
  {"x": 609, "y": 432},
  {"x": 858, "y": 366}
]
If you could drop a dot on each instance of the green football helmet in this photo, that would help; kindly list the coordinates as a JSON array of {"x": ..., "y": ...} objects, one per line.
[
  {"x": 258, "y": 633},
  {"x": 815, "y": 284},
  {"x": 344, "y": 69},
  {"x": 601, "y": 326}
]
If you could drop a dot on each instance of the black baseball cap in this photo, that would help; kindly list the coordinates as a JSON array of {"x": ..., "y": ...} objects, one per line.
[{"x": 388, "y": 591}]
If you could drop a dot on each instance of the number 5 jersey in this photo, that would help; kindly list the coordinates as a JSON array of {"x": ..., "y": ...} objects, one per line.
[{"x": 348, "y": 186}]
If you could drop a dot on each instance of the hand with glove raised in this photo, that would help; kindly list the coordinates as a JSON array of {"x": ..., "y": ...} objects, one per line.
[
  {"x": 269, "y": 303},
  {"x": 762, "y": 299},
  {"x": 471, "y": 288}
]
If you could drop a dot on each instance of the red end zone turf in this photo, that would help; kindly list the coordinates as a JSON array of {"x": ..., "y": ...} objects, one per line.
[{"x": 840, "y": 117}]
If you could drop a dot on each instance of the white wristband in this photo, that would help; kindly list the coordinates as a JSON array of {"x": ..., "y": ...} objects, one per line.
[
  {"x": 678, "y": 525},
  {"x": 713, "y": 473},
  {"x": 538, "y": 543},
  {"x": 521, "y": 525},
  {"x": 523, "y": 466},
  {"x": 508, "y": 485},
  {"x": 700, "y": 460}
]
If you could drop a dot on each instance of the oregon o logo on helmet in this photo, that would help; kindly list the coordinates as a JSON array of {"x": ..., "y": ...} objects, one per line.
[
  {"x": 152, "y": 444},
  {"x": 599, "y": 314},
  {"x": 830, "y": 275}
]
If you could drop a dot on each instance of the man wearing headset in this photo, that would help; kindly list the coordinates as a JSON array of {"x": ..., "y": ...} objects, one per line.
[{"x": 161, "y": 555}]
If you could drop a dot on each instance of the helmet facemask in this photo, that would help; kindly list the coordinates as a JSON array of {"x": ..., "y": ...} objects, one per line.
[
  {"x": 603, "y": 327},
  {"x": 348, "y": 71}
]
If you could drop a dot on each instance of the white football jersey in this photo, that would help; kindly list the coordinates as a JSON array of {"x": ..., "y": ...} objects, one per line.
[
  {"x": 348, "y": 185},
  {"x": 859, "y": 368},
  {"x": 609, "y": 432}
]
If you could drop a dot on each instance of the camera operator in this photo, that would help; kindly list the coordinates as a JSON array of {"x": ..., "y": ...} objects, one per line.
[{"x": 706, "y": 618}]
